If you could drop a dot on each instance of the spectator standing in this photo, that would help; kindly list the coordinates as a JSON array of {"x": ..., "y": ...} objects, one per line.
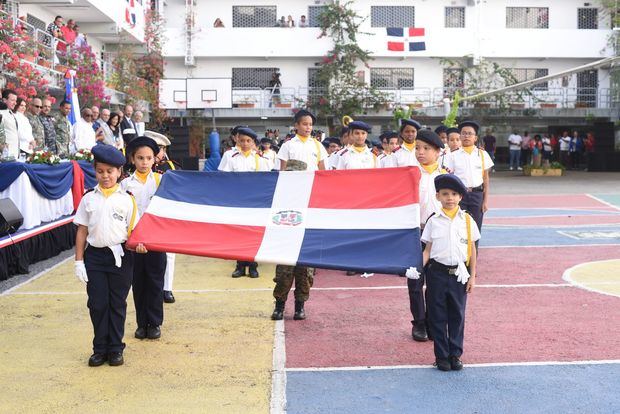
[
  {"x": 83, "y": 136},
  {"x": 547, "y": 150},
  {"x": 290, "y": 22},
  {"x": 24, "y": 130},
  {"x": 489, "y": 143},
  {"x": 575, "y": 148},
  {"x": 282, "y": 22},
  {"x": 303, "y": 22},
  {"x": 49, "y": 129},
  {"x": 80, "y": 38},
  {"x": 139, "y": 123},
  {"x": 9, "y": 124},
  {"x": 555, "y": 151},
  {"x": 564, "y": 147},
  {"x": 112, "y": 131},
  {"x": 105, "y": 115},
  {"x": 68, "y": 32},
  {"x": 218, "y": 23},
  {"x": 514, "y": 146},
  {"x": 63, "y": 130},
  {"x": 128, "y": 127},
  {"x": 536, "y": 146},
  {"x": 589, "y": 146},
  {"x": 38, "y": 133},
  {"x": 53, "y": 29},
  {"x": 526, "y": 152},
  {"x": 96, "y": 119}
]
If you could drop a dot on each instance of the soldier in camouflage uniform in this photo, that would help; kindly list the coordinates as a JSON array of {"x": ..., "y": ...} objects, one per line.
[
  {"x": 49, "y": 129},
  {"x": 63, "y": 129},
  {"x": 303, "y": 276},
  {"x": 37, "y": 127}
]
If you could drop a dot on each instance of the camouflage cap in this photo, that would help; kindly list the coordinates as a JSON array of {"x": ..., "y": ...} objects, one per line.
[{"x": 296, "y": 165}]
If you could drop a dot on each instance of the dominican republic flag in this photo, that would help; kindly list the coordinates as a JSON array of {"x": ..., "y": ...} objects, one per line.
[
  {"x": 130, "y": 15},
  {"x": 362, "y": 220},
  {"x": 409, "y": 39},
  {"x": 71, "y": 96}
]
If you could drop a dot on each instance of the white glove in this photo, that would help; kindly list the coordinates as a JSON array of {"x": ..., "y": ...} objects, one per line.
[
  {"x": 367, "y": 275},
  {"x": 412, "y": 273},
  {"x": 80, "y": 271},
  {"x": 117, "y": 251},
  {"x": 462, "y": 273}
]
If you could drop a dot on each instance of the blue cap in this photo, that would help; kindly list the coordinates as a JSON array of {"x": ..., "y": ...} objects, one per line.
[
  {"x": 452, "y": 130},
  {"x": 388, "y": 135},
  {"x": 140, "y": 142},
  {"x": 304, "y": 112},
  {"x": 413, "y": 123},
  {"x": 451, "y": 182},
  {"x": 235, "y": 130},
  {"x": 359, "y": 125},
  {"x": 247, "y": 132},
  {"x": 440, "y": 129},
  {"x": 430, "y": 138},
  {"x": 473, "y": 124},
  {"x": 107, "y": 154}
]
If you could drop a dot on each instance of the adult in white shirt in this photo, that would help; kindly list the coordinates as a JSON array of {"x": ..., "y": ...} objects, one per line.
[
  {"x": 140, "y": 126},
  {"x": 9, "y": 123},
  {"x": 514, "y": 146},
  {"x": 404, "y": 156},
  {"x": 359, "y": 156},
  {"x": 24, "y": 129},
  {"x": 564, "y": 147},
  {"x": 303, "y": 147},
  {"x": 83, "y": 136}
]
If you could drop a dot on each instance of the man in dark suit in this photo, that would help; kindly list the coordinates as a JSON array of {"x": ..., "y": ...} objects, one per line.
[{"x": 128, "y": 127}]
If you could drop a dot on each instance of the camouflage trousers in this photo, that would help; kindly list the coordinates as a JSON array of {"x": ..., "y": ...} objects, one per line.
[{"x": 303, "y": 276}]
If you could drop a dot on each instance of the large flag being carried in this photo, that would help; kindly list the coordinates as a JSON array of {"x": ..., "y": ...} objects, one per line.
[
  {"x": 71, "y": 96},
  {"x": 363, "y": 220}
]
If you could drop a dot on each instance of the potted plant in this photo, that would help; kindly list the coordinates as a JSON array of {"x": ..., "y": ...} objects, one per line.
[
  {"x": 284, "y": 105},
  {"x": 548, "y": 105},
  {"x": 555, "y": 169},
  {"x": 246, "y": 102}
]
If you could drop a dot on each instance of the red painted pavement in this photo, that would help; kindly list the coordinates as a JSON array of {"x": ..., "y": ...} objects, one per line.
[
  {"x": 362, "y": 328},
  {"x": 554, "y": 220},
  {"x": 544, "y": 201}
]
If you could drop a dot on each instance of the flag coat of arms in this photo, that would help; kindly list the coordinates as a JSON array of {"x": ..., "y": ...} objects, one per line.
[
  {"x": 405, "y": 39},
  {"x": 363, "y": 220}
]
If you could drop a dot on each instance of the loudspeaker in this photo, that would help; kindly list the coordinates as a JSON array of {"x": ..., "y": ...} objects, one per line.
[{"x": 10, "y": 217}]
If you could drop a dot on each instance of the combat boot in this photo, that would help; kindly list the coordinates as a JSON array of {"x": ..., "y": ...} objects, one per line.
[
  {"x": 239, "y": 271},
  {"x": 300, "y": 314},
  {"x": 253, "y": 270},
  {"x": 278, "y": 312}
]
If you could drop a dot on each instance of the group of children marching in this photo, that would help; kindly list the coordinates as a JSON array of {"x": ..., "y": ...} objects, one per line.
[{"x": 454, "y": 188}]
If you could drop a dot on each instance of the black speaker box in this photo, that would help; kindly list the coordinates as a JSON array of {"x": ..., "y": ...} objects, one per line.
[{"x": 10, "y": 217}]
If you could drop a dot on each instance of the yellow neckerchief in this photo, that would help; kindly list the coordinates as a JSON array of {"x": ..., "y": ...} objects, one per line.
[
  {"x": 107, "y": 192},
  {"x": 410, "y": 147},
  {"x": 132, "y": 221},
  {"x": 430, "y": 168},
  {"x": 469, "y": 150},
  {"x": 469, "y": 243},
  {"x": 302, "y": 139},
  {"x": 359, "y": 149},
  {"x": 142, "y": 177},
  {"x": 450, "y": 213},
  {"x": 316, "y": 143},
  {"x": 246, "y": 153}
]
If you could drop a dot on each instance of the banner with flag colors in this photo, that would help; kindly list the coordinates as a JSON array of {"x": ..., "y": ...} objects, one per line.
[
  {"x": 71, "y": 96},
  {"x": 405, "y": 39},
  {"x": 362, "y": 220}
]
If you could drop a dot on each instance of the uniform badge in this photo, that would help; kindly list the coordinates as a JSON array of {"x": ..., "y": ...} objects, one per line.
[
  {"x": 118, "y": 217},
  {"x": 287, "y": 218}
]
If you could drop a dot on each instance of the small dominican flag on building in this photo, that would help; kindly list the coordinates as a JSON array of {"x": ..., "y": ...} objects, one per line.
[
  {"x": 362, "y": 220},
  {"x": 71, "y": 96},
  {"x": 130, "y": 13},
  {"x": 405, "y": 39}
]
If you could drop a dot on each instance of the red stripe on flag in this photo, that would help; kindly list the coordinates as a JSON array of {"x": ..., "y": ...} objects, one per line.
[
  {"x": 77, "y": 188},
  {"x": 201, "y": 239},
  {"x": 365, "y": 189},
  {"x": 396, "y": 46},
  {"x": 413, "y": 31}
]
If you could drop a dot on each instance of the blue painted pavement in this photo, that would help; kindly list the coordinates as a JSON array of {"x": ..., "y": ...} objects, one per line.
[
  {"x": 499, "y": 389},
  {"x": 548, "y": 236},
  {"x": 543, "y": 212}
]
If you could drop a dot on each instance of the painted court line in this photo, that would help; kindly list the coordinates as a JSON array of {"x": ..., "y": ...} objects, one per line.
[
  {"x": 567, "y": 276},
  {"x": 482, "y": 365},
  {"x": 278, "y": 373},
  {"x": 603, "y": 202},
  {"x": 548, "y": 226},
  {"x": 551, "y": 247},
  {"x": 35, "y": 277}
]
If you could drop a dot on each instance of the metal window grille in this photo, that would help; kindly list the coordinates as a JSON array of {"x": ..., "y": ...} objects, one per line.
[
  {"x": 453, "y": 78},
  {"x": 455, "y": 17},
  {"x": 527, "y": 17},
  {"x": 313, "y": 15},
  {"x": 246, "y": 78},
  {"x": 391, "y": 78},
  {"x": 522, "y": 75},
  {"x": 255, "y": 16},
  {"x": 392, "y": 16},
  {"x": 11, "y": 7},
  {"x": 587, "y": 88},
  {"x": 587, "y": 18}
]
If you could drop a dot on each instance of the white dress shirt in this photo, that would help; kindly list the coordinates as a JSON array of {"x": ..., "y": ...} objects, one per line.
[
  {"x": 309, "y": 151},
  {"x": 449, "y": 237},
  {"x": 428, "y": 194},
  {"x": 240, "y": 162},
  {"x": 24, "y": 132},
  {"x": 226, "y": 157},
  {"x": 468, "y": 167},
  {"x": 353, "y": 159},
  {"x": 9, "y": 122},
  {"x": 402, "y": 157},
  {"x": 107, "y": 218},
  {"x": 82, "y": 136},
  {"x": 142, "y": 192}
]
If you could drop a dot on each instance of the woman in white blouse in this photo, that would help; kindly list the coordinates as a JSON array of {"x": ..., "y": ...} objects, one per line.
[
  {"x": 24, "y": 129},
  {"x": 112, "y": 134}
]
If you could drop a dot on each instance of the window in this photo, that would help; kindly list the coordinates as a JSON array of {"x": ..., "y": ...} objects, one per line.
[
  {"x": 522, "y": 75},
  {"x": 455, "y": 17},
  {"x": 453, "y": 79},
  {"x": 587, "y": 18},
  {"x": 527, "y": 17},
  {"x": 392, "y": 16},
  {"x": 391, "y": 78},
  {"x": 313, "y": 15},
  {"x": 254, "y": 16},
  {"x": 250, "y": 78}
]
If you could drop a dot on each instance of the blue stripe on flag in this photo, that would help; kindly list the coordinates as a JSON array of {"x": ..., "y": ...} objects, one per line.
[
  {"x": 395, "y": 31},
  {"x": 223, "y": 189},
  {"x": 417, "y": 46},
  {"x": 378, "y": 251}
]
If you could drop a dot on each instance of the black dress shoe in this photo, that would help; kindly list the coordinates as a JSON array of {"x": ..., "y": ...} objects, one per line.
[
  {"x": 239, "y": 271},
  {"x": 419, "y": 333},
  {"x": 300, "y": 313},
  {"x": 351, "y": 273},
  {"x": 442, "y": 364},
  {"x": 253, "y": 272},
  {"x": 115, "y": 359},
  {"x": 278, "y": 312},
  {"x": 153, "y": 332},
  {"x": 455, "y": 363},
  {"x": 168, "y": 296},
  {"x": 97, "y": 359},
  {"x": 140, "y": 333}
]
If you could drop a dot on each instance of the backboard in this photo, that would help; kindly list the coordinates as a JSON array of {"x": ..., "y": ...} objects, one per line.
[
  {"x": 211, "y": 93},
  {"x": 173, "y": 93}
]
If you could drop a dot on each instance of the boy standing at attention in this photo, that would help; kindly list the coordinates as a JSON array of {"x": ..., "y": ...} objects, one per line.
[
  {"x": 358, "y": 156},
  {"x": 449, "y": 236}
]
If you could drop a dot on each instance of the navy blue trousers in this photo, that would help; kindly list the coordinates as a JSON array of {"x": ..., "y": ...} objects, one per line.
[
  {"x": 446, "y": 300},
  {"x": 472, "y": 203},
  {"x": 416, "y": 298},
  {"x": 107, "y": 289},
  {"x": 148, "y": 288}
]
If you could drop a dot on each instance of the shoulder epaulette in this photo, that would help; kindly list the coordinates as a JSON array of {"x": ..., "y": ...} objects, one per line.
[
  {"x": 396, "y": 149},
  {"x": 90, "y": 190},
  {"x": 344, "y": 151},
  {"x": 129, "y": 192},
  {"x": 235, "y": 154},
  {"x": 429, "y": 217}
]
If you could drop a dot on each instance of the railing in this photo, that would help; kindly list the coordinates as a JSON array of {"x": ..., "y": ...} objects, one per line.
[{"x": 418, "y": 98}]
